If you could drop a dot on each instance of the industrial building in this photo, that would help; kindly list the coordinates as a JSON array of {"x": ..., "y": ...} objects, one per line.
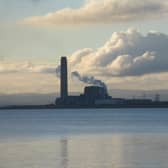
[
  {"x": 92, "y": 96},
  {"x": 89, "y": 97}
]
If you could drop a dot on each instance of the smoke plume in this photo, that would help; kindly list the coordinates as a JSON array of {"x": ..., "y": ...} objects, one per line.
[
  {"x": 89, "y": 80},
  {"x": 85, "y": 79}
]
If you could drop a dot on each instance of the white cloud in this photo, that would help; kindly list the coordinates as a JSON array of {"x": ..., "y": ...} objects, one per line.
[
  {"x": 104, "y": 11},
  {"x": 124, "y": 63},
  {"x": 128, "y": 60},
  {"x": 127, "y": 53},
  {"x": 26, "y": 67}
]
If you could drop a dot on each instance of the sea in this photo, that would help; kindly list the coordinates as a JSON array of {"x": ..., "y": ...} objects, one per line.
[{"x": 84, "y": 138}]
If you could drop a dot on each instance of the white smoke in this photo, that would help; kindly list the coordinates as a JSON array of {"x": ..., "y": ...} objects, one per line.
[{"x": 89, "y": 80}]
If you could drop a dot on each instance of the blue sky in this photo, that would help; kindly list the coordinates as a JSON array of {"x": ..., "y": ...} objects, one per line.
[
  {"x": 46, "y": 44},
  {"x": 27, "y": 43},
  {"x": 17, "y": 9},
  {"x": 27, "y": 40}
]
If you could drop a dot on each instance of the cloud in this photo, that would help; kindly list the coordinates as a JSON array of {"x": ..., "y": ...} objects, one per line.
[
  {"x": 104, "y": 12},
  {"x": 127, "y": 53},
  {"x": 26, "y": 67}
]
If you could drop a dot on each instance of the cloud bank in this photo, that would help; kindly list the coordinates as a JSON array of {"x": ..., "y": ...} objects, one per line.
[
  {"x": 27, "y": 67},
  {"x": 127, "y": 53},
  {"x": 104, "y": 12},
  {"x": 128, "y": 60}
]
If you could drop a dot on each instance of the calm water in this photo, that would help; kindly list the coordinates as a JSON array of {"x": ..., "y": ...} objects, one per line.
[{"x": 122, "y": 138}]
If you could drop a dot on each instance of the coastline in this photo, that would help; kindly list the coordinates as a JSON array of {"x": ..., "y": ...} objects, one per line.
[{"x": 117, "y": 106}]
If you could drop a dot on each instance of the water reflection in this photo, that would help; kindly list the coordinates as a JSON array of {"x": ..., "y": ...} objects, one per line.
[
  {"x": 117, "y": 151},
  {"x": 86, "y": 151},
  {"x": 64, "y": 153}
]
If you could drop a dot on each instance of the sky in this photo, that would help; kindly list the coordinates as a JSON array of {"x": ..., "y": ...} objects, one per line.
[{"x": 123, "y": 43}]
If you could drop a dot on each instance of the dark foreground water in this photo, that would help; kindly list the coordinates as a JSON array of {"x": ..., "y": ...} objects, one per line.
[{"x": 105, "y": 138}]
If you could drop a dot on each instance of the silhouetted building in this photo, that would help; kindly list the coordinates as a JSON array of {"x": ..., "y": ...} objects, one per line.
[
  {"x": 64, "y": 78},
  {"x": 157, "y": 98},
  {"x": 90, "y": 96},
  {"x": 112, "y": 101},
  {"x": 93, "y": 95}
]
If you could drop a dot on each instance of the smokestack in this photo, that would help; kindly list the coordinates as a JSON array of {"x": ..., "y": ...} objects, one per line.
[{"x": 64, "y": 78}]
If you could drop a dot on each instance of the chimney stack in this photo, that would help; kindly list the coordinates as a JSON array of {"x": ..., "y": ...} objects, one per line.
[{"x": 64, "y": 78}]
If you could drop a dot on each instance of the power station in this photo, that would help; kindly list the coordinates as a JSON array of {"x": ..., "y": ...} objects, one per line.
[{"x": 92, "y": 96}]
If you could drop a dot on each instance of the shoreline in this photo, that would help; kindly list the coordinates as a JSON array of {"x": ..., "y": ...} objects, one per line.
[{"x": 34, "y": 107}]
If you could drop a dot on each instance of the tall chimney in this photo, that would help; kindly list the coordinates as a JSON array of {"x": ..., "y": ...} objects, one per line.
[{"x": 64, "y": 78}]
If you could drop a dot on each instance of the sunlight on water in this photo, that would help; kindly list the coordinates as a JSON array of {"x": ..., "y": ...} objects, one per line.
[
  {"x": 84, "y": 139},
  {"x": 116, "y": 151}
]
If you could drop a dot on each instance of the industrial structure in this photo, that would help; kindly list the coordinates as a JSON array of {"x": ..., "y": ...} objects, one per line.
[
  {"x": 92, "y": 96},
  {"x": 64, "y": 78}
]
